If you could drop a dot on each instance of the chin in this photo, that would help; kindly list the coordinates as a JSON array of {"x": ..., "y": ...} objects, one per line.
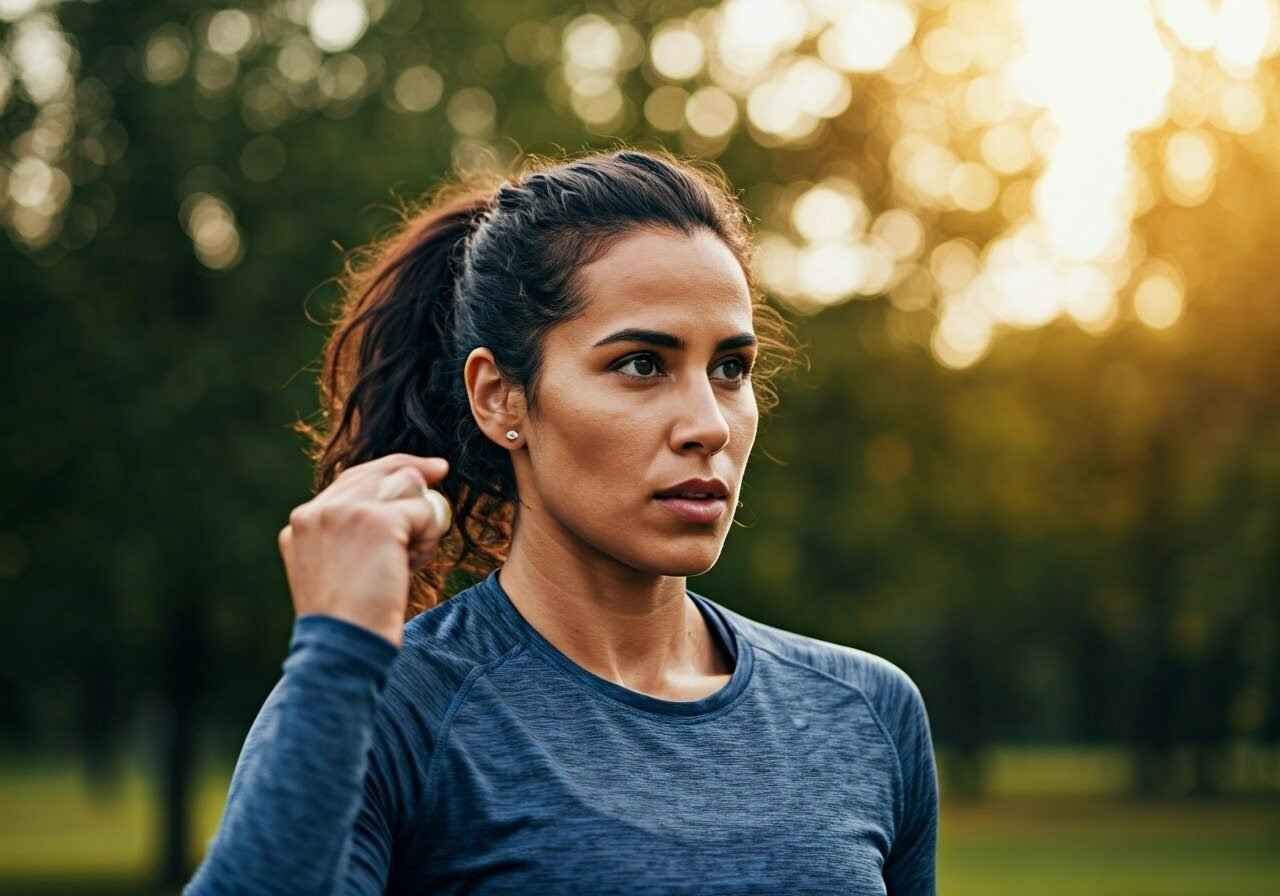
[{"x": 691, "y": 560}]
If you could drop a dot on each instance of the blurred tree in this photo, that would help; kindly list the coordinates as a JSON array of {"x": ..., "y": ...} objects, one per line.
[{"x": 1045, "y": 484}]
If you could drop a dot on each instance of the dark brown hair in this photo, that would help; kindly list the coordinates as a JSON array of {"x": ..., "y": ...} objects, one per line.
[{"x": 495, "y": 266}]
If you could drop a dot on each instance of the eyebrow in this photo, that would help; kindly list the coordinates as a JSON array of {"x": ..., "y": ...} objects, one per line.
[{"x": 667, "y": 340}]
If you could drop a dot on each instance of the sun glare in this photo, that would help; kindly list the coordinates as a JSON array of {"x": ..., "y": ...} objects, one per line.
[
  {"x": 1024, "y": 115},
  {"x": 988, "y": 162}
]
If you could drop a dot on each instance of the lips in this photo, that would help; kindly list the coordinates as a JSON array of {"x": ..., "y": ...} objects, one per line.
[
  {"x": 696, "y": 489},
  {"x": 695, "y": 510},
  {"x": 696, "y": 500}
]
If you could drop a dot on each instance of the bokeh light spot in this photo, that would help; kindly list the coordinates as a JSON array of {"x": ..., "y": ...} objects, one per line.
[
  {"x": 592, "y": 42},
  {"x": 1241, "y": 108},
  {"x": 868, "y": 36},
  {"x": 954, "y": 264},
  {"x": 900, "y": 231},
  {"x": 1006, "y": 149},
  {"x": 418, "y": 88},
  {"x": 1242, "y": 32},
  {"x": 830, "y": 212},
  {"x": 677, "y": 51},
  {"x": 336, "y": 25},
  {"x": 30, "y": 182},
  {"x": 1158, "y": 300},
  {"x": 945, "y": 51},
  {"x": 12, "y": 10},
  {"x": 821, "y": 90},
  {"x": 210, "y": 223},
  {"x": 472, "y": 111},
  {"x": 229, "y": 31},
  {"x": 598, "y": 101},
  {"x": 1189, "y": 167},
  {"x": 665, "y": 107},
  {"x": 962, "y": 336},
  {"x": 711, "y": 112},
  {"x": 299, "y": 60},
  {"x": 752, "y": 33},
  {"x": 973, "y": 187},
  {"x": 830, "y": 273},
  {"x": 342, "y": 77},
  {"x": 166, "y": 55}
]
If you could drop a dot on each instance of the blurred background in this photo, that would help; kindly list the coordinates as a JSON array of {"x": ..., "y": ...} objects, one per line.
[{"x": 1034, "y": 460}]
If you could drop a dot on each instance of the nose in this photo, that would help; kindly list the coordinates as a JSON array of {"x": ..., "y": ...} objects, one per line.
[{"x": 700, "y": 424}]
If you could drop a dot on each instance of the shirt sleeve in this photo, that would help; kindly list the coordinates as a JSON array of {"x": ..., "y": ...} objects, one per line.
[
  {"x": 306, "y": 811},
  {"x": 911, "y": 867}
]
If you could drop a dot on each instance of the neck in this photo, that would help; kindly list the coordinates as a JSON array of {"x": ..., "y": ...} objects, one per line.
[{"x": 637, "y": 629}]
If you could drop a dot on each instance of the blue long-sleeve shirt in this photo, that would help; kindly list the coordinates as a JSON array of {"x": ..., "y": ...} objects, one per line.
[{"x": 480, "y": 759}]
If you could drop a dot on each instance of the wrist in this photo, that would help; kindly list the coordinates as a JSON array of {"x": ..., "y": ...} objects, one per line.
[{"x": 390, "y": 630}]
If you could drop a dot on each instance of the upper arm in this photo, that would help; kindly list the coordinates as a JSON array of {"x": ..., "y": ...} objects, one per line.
[
  {"x": 369, "y": 863},
  {"x": 911, "y": 865},
  {"x": 307, "y": 810}
]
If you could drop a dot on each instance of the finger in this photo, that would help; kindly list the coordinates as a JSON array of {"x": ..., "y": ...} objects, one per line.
[
  {"x": 408, "y": 482},
  {"x": 425, "y": 524},
  {"x": 366, "y": 479},
  {"x": 403, "y": 483},
  {"x": 433, "y": 468}
]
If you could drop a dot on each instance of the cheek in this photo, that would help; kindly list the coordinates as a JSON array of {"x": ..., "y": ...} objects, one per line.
[
  {"x": 589, "y": 450},
  {"x": 744, "y": 423}
]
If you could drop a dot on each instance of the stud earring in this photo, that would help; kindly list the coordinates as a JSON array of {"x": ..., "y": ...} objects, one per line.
[{"x": 512, "y": 435}]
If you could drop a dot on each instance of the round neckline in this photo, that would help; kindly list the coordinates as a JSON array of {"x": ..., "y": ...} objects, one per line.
[{"x": 738, "y": 649}]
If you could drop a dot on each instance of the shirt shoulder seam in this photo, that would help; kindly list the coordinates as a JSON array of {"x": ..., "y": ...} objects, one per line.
[
  {"x": 900, "y": 789},
  {"x": 455, "y": 705}
]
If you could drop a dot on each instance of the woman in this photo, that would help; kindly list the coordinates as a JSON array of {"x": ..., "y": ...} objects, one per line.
[{"x": 568, "y": 359}]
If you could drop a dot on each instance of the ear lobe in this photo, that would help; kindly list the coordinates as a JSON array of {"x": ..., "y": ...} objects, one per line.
[{"x": 496, "y": 404}]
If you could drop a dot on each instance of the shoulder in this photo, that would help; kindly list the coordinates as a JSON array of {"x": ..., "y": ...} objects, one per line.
[
  {"x": 446, "y": 648},
  {"x": 887, "y": 688}
]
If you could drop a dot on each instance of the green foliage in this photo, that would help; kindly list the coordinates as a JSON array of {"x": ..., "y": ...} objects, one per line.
[
  {"x": 1077, "y": 538},
  {"x": 54, "y": 839}
]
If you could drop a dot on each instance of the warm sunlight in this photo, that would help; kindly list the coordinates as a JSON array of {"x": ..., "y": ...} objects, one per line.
[{"x": 1040, "y": 132}]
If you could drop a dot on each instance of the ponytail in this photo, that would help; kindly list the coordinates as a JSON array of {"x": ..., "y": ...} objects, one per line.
[{"x": 385, "y": 385}]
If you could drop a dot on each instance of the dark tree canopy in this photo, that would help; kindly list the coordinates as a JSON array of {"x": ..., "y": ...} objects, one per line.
[{"x": 1035, "y": 459}]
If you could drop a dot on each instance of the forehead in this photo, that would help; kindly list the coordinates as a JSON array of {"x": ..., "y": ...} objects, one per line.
[{"x": 662, "y": 279}]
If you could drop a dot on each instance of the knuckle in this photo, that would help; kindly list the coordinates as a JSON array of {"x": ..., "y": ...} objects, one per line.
[
  {"x": 363, "y": 515},
  {"x": 300, "y": 517},
  {"x": 333, "y": 515}
]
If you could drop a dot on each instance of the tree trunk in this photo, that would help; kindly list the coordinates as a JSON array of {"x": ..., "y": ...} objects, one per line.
[{"x": 184, "y": 665}]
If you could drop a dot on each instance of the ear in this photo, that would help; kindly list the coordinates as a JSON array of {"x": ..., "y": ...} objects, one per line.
[{"x": 497, "y": 405}]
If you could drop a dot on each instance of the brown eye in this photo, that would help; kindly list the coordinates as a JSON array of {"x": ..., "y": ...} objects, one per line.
[
  {"x": 735, "y": 368},
  {"x": 643, "y": 366}
]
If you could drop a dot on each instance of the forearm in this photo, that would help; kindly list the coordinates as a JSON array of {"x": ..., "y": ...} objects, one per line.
[{"x": 290, "y": 819}]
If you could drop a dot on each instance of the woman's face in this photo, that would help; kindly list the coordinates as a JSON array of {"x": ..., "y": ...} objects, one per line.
[{"x": 643, "y": 392}]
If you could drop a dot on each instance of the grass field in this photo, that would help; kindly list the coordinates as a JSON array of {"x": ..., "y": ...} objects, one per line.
[{"x": 56, "y": 839}]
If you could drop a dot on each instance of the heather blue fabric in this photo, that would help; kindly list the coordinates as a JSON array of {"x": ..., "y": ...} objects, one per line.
[{"x": 479, "y": 759}]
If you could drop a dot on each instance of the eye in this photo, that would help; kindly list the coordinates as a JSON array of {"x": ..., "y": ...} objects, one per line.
[
  {"x": 736, "y": 369},
  {"x": 642, "y": 366}
]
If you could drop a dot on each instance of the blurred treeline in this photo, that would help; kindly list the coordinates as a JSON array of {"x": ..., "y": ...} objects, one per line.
[{"x": 1075, "y": 539}]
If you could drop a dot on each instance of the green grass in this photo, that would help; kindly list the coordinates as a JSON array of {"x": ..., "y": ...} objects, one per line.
[
  {"x": 55, "y": 838},
  {"x": 1107, "y": 848}
]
